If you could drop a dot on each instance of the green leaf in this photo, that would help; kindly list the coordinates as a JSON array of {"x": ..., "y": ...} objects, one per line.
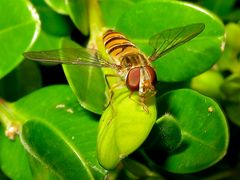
[
  {"x": 147, "y": 18},
  {"x": 35, "y": 136},
  {"x": 39, "y": 171},
  {"x": 13, "y": 159},
  {"x": 20, "y": 27},
  {"x": 124, "y": 126},
  {"x": 87, "y": 83},
  {"x": 46, "y": 41},
  {"x": 78, "y": 12},
  {"x": 52, "y": 22},
  {"x": 112, "y": 10},
  {"x": 203, "y": 127},
  {"x": 60, "y": 134},
  {"x": 58, "y": 6},
  {"x": 21, "y": 81}
]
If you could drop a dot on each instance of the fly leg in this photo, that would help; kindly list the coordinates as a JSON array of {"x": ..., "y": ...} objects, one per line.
[
  {"x": 111, "y": 88},
  {"x": 141, "y": 101}
]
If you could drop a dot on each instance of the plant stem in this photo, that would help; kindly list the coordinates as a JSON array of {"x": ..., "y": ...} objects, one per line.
[
  {"x": 95, "y": 23},
  {"x": 96, "y": 30}
]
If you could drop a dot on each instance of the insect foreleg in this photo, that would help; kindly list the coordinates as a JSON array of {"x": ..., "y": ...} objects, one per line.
[{"x": 140, "y": 102}]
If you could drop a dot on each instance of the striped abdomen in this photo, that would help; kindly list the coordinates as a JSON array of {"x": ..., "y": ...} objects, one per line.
[{"x": 122, "y": 50}]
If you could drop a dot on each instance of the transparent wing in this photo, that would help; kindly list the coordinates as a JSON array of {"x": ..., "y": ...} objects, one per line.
[
  {"x": 170, "y": 39},
  {"x": 74, "y": 56}
]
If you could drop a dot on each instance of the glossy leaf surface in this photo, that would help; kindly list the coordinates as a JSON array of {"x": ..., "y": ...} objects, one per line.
[
  {"x": 17, "y": 34},
  {"x": 123, "y": 127},
  {"x": 59, "y": 133},
  {"x": 203, "y": 128}
]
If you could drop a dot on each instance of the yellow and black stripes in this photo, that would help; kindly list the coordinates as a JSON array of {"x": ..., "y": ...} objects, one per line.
[{"x": 117, "y": 45}]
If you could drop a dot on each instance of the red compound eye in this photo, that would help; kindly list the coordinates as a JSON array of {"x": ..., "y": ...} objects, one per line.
[
  {"x": 133, "y": 79},
  {"x": 152, "y": 74}
]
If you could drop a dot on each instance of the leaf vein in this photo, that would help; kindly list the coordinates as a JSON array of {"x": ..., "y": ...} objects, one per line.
[
  {"x": 199, "y": 140},
  {"x": 14, "y": 27}
]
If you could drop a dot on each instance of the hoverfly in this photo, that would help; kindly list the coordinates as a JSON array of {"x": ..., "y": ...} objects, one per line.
[{"x": 131, "y": 65}]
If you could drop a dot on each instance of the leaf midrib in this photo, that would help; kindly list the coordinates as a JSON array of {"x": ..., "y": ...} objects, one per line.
[
  {"x": 185, "y": 133},
  {"x": 14, "y": 27},
  {"x": 68, "y": 144}
]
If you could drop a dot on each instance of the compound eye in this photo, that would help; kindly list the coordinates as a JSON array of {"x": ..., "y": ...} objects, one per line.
[
  {"x": 133, "y": 79},
  {"x": 152, "y": 74}
]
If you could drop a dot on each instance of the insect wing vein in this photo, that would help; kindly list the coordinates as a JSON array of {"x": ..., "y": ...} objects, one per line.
[
  {"x": 170, "y": 39},
  {"x": 74, "y": 56}
]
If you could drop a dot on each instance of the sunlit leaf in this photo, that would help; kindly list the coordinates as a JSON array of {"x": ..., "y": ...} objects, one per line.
[{"x": 20, "y": 27}]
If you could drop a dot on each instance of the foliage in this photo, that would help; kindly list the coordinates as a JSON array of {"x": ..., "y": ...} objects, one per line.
[{"x": 51, "y": 131}]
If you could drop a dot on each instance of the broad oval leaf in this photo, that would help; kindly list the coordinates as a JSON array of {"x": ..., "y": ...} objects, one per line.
[
  {"x": 20, "y": 27},
  {"x": 60, "y": 133},
  {"x": 203, "y": 127},
  {"x": 147, "y": 18},
  {"x": 43, "y": 141},
  {"x": 123, "y": 127}
]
